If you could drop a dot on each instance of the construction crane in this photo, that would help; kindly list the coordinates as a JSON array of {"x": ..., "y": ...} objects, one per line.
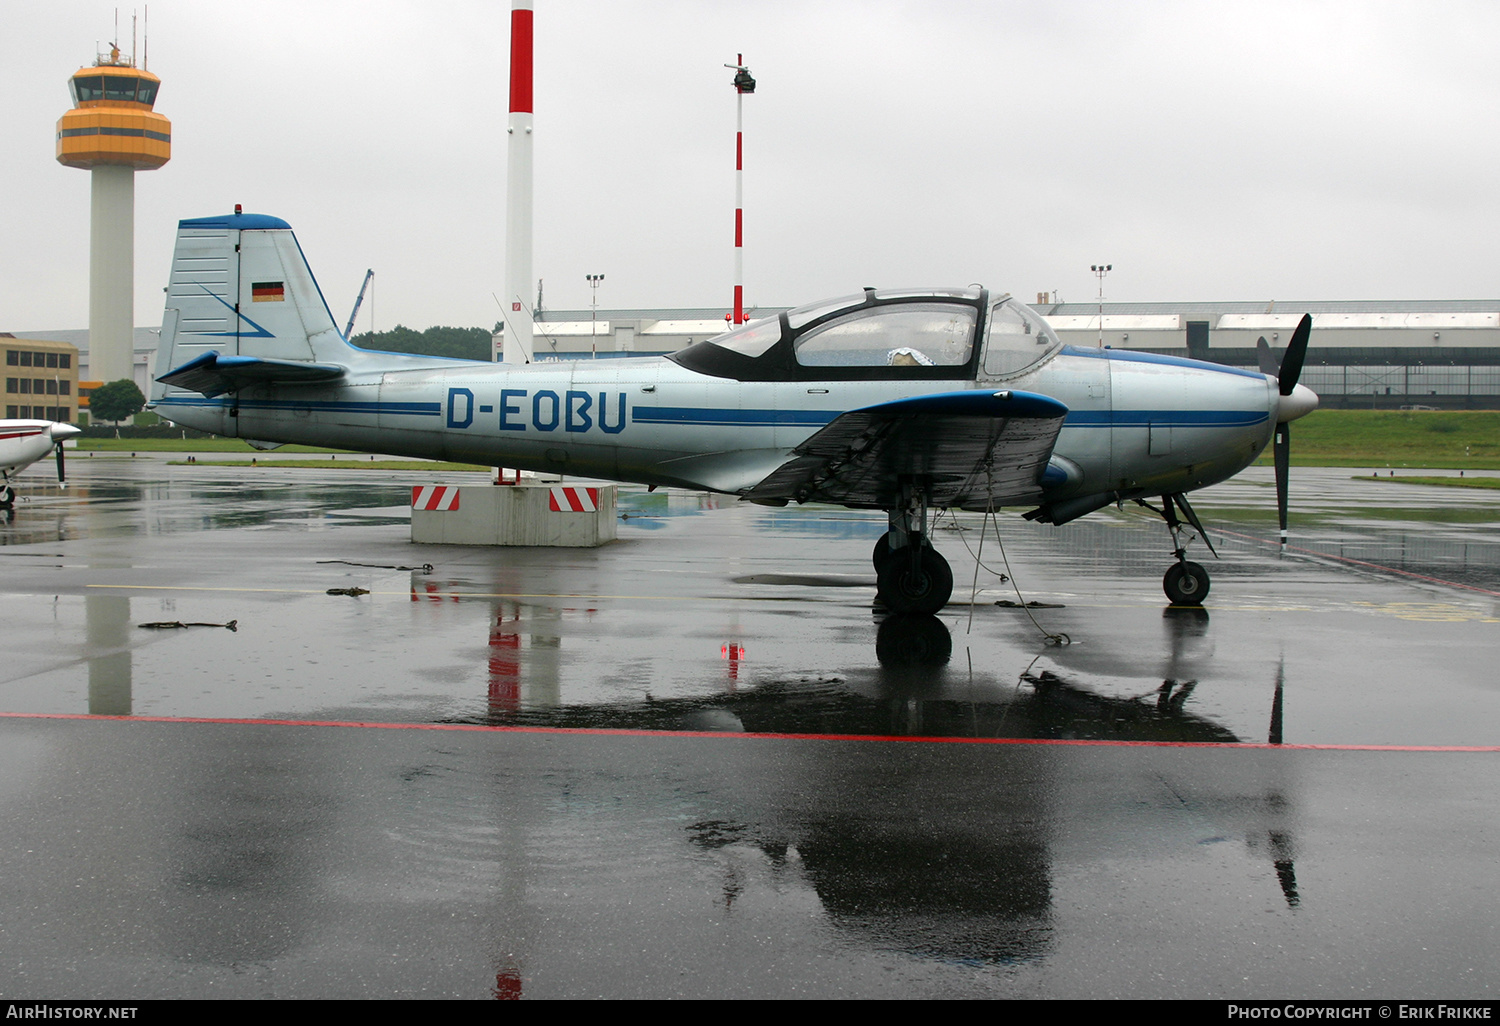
[{"x": 349, "y": 330}]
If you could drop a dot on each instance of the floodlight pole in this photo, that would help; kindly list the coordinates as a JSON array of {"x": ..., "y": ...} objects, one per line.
[
  {"x": 1100, "y": 270},
  {"x": 594, "y": 280}
]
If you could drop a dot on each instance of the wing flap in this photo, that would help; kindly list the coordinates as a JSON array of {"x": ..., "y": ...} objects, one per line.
[
  {"x": 975, "y": 449},
  {"x": 214, "y": 374}
]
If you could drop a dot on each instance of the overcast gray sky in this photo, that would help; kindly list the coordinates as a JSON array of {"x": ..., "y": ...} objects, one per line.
[{"x": 1210, "y": 151}]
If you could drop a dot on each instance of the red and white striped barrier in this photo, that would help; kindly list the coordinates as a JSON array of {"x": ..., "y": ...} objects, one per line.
[
  {"x": 442, "y": 498},
  {"x": 574, "y": 500}
]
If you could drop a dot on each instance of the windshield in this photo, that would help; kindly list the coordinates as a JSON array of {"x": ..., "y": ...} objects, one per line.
[
  {"x": 753, "y": 339},
  {"x": 1016, "y": 339}
]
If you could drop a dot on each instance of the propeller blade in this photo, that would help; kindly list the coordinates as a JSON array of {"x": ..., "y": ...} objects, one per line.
[
  {"x": 62, "y": 475},
  {"x": 1274, "y": 737},
  {"x": 1296, "y": 352},
  {"x": 1283, "y": 455},
  {"x": 1269, "y": 364}
]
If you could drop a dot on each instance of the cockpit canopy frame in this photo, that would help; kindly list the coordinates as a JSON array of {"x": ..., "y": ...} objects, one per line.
[{"x": 879, "y": 335}]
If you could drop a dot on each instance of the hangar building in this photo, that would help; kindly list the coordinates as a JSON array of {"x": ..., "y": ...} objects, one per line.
[{"x": 1363, "y": 354}]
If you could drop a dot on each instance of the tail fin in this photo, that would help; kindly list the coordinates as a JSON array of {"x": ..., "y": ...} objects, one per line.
[{"x": 240, "y": 287}]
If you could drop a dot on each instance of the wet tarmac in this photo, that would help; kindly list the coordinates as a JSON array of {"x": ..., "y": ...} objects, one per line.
[{"x": 761, "y": 787}]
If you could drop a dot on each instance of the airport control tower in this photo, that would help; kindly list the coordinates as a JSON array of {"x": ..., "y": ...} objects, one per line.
[{"x": 113, "y": 132}]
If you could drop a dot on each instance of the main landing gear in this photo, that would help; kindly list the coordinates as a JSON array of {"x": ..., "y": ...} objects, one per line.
[
  {"x": 910, "y": 575},
  {"x": 1186, "y": 583}
]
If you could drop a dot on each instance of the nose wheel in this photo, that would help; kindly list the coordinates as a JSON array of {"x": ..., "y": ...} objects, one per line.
[{"x": 1185, "y": 582}]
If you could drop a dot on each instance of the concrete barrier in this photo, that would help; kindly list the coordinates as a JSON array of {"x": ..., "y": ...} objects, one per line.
[{"x": 566, "y": 516}]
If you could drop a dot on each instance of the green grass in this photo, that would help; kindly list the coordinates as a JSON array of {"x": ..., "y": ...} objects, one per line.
[
  {"x": 1446, "y": 482},
  {"x": 1440, "y": 439},
  {"x": 183, "y": 445},
  {"x": 362, "y": 463}
]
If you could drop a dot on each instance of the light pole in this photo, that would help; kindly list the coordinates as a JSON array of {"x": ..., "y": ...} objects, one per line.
[
  {"x": 594, "y": 280},
  {"x": 743, "y": 84},
  {"x": 1100, "y": 270}
]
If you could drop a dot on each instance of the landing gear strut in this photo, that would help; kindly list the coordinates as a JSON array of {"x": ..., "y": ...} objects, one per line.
[
  {"x": 910, "y": 575},
  {"x": 1186, "y": 583}
]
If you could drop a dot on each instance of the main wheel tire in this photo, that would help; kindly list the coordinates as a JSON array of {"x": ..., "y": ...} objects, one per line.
[
  {"x": 1186, "y": 584},
  {"x": 923, "y": 589},
  {"x": 883, "y": 550}
]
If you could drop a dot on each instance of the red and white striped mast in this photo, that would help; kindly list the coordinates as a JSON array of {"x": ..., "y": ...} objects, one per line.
[
  {"x": 743, "y": 84},
  {"x": 517, "y": 309}
]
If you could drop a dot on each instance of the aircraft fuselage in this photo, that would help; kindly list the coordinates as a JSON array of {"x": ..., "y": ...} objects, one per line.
[{"x": 1135, "y": 422}]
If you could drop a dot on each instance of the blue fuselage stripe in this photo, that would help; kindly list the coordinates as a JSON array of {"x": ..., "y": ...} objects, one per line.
[
  {"x": 736, "y": 418},
  {"x": 709, "y": 417},
  {"x": 1176, "y": 418},
  {"x": 410, "y": 409}
]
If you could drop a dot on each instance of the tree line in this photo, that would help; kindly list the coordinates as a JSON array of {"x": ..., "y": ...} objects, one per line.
[{"x": 458, "y": 343}]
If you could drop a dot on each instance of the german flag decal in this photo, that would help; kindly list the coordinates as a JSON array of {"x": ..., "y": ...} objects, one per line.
[{"x": 267, "y": 292}]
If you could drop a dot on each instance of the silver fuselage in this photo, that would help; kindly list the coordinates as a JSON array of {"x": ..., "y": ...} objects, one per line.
[{"x": 1136, "y": 422}]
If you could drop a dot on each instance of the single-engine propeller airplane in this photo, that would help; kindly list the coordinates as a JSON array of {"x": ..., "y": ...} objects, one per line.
[
  {"x": 903, "y": 400},
  {"x": 24, "y": 442}
]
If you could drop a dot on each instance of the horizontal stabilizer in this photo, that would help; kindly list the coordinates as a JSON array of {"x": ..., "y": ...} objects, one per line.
[
  {"x": 214, "y": 374},
  {"x": 974, "y": 449}
]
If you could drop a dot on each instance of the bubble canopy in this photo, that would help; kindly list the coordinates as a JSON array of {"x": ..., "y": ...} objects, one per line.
[{"x": 894, "y": 334}]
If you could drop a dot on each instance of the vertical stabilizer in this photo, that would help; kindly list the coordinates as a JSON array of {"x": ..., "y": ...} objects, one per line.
[{"x": 240, "y": 286}]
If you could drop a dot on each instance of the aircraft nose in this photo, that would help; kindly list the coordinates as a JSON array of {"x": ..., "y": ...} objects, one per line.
[{"x": 1300, "y": 403}]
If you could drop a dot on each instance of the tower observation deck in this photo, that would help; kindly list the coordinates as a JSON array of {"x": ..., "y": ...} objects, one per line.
[{"x": 113, "y": 132}]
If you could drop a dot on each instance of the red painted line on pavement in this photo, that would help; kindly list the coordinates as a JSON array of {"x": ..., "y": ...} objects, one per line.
[
  {"x": 1361, "y": 562},
  {"x": 630, "y": 732}
]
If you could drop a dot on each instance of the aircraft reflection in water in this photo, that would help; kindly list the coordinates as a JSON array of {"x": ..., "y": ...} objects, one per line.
[
  {"x": 908, "y": 700},
  {"x": 898, "y": 400},
  {"x": 965, "y": 876},
  {"x": 975, "y": 873}
]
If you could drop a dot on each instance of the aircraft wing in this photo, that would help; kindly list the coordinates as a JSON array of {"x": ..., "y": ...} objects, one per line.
[
  {"x": 978, "y": 448},
  {"x": 214, "y": 374}
]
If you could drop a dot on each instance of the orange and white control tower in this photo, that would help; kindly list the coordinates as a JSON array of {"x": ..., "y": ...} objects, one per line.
[{"x": 113, "y": 132}]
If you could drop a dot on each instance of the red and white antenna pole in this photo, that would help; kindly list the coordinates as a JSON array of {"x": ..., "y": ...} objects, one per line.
[
  {"x": 743, "y": 84},
  {"x": 517, "y": 309}
]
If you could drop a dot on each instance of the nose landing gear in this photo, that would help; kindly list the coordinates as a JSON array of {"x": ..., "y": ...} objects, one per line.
[{"x": 1185, "y": 582}]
